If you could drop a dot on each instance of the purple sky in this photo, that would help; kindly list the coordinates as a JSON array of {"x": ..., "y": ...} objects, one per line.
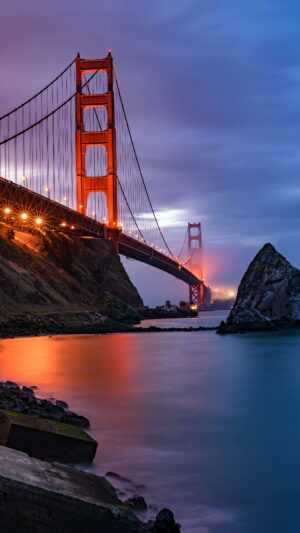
[{"x": 212, "y": 90}]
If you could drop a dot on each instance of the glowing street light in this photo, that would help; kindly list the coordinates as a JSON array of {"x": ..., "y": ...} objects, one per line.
[
  {"x": 63, "y": 224},
  {"x": 7, "y": 210},
  {"x": 39, "y": 221},
  {"x": 24, "y": 216},
  {"x": 231, "y": 293}
]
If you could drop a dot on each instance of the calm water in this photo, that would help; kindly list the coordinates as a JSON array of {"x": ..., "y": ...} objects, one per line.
[{"x": 210, "y": 425}]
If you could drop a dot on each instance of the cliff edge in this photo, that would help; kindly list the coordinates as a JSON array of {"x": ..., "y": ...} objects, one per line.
[
  {"x": 268, "y": 296},
  {"x": 57, "y": 282}
]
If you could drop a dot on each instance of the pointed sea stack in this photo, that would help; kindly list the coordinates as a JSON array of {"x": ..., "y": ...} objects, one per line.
[{"x": 268, "y": 297}]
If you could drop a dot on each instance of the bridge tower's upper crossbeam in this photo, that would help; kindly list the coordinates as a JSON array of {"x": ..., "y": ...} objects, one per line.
[{"x": 106, "y": 138}]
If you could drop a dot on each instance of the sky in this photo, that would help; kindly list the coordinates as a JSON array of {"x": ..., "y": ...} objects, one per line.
[{"x": 212, "y": 90}]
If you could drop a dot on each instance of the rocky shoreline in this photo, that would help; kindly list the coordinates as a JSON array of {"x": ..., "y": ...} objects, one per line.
[
  {"x": 21, "y": 399},
  {"x": 127, "y": 516},
  {"x": 157, "y": 313},
  {"x": 257, "y": 327},
  {"x": 70, "y": 323},
  {"x": 29, "y": 324}
]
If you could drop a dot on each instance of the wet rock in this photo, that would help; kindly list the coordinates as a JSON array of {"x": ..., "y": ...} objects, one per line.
[
  {"x": 165, "y": 523},
  {"x": 10, "y": 385},
  {"x": 62, "y": 404},
  {"x": 27, "y": 395},
  {"x": 137, "y": 502},
  {"x": 37, "y": 496},
  {"x": 23, "y": 400},
  {"x": 117, "y": 476},
  {"x": 28, "y": 390},
  {"x": 76, "y": 420},
  {"x": 53, "y": 413}
]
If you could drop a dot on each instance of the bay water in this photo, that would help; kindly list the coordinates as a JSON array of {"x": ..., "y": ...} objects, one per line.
[{"x": 206, "y": 425}]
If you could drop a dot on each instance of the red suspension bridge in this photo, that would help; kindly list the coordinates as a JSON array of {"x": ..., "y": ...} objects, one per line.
[{"x": 68, "y": 161}]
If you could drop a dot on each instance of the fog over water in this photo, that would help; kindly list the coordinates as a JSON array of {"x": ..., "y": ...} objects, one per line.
[{"x": 205, "y": 424}]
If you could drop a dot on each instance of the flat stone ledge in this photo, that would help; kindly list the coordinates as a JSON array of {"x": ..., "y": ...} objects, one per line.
[
  {"x": 41, "y": 497},
  {"x": 46, "y": 439}
]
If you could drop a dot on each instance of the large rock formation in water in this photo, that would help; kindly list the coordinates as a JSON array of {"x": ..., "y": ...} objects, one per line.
[
  {"x": 268, "y": 296},
  {"x": 52, "y": 282}
]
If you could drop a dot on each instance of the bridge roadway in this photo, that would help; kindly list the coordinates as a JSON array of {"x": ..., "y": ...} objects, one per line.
[{"x": 55, "y": 214}]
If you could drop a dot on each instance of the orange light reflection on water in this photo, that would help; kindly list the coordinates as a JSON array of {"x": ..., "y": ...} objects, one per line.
[
  {"x": 23, "y": 360},
  {"x": 72, "y": 360},
  {"x": 94, "y": 374}
]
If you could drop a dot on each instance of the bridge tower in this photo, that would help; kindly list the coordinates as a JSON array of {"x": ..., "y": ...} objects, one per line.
[
  {"x": 106, "y": 184},
  {"x": 196, "y": 292}
]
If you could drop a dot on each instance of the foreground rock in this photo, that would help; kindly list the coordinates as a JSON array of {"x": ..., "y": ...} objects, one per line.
[
  {"x": 137, "y": 502},
  {"x": 40, "y": 497},
  {"x": 165, "y": 523},
  {"x": 23, "y": 400},
  {"x": 268, "y": 296}
]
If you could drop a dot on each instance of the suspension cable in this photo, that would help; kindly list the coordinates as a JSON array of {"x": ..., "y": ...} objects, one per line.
[
  {"x": 50, "y": 114},
  {"x": 130, "y": 210},
  {"x": 183, "y": 245},
  {"x": 140, "y": 170},
  {"x": 39, "y": 92}
]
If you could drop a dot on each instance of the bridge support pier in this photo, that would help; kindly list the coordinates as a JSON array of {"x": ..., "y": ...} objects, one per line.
[{"x": 106, "y": 138}]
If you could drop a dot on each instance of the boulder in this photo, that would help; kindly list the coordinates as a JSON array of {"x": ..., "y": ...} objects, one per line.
[
  {"x": 10, "y": 385},
  {"x": 76, "y": 420},
  {"x": 268, "y": 297},
  {"x": 137, "y": 502},
  {"x": 62, "y": 404},
  {"x": 165, "y": 523}
]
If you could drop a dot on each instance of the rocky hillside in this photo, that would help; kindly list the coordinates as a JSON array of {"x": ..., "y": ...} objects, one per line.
[
  {"x": 56, "y": 280},
  {"x": 268, "y": 296}
]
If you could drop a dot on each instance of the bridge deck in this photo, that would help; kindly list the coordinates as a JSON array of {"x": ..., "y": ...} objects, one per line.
[{"x": 54, "y": 213}]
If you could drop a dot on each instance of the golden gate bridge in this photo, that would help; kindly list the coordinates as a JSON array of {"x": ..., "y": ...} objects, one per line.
[{"x": 68, "y": 163}]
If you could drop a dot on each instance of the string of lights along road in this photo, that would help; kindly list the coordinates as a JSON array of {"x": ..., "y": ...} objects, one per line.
[{"x": 71, "y": 142}]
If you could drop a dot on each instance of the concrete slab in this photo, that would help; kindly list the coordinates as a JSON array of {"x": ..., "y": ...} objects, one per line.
[
  {"x": 46, "y": 439},
  {"x": 41, "y": 497}
]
